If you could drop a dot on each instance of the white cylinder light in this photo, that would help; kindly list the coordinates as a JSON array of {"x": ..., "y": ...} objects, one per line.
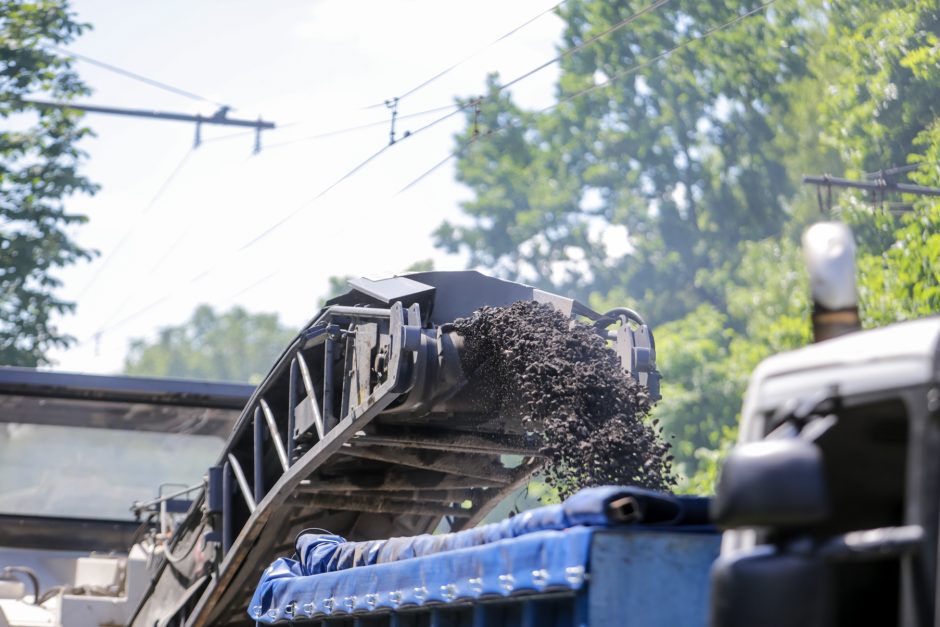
[{"x": 829, "y": 249}]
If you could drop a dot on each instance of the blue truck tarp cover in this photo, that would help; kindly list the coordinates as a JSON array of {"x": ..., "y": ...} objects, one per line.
[{"x": 540, "y": 550}]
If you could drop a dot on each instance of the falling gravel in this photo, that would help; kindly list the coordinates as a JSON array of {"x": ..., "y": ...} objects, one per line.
[{"x": 569, "y": 388}]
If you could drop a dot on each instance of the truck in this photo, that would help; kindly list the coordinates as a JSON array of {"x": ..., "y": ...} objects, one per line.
[{"x": 369, "y": 456}]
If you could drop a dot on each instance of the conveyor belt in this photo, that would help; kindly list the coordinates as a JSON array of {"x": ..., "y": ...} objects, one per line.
[{"x": 366, "y": 427}]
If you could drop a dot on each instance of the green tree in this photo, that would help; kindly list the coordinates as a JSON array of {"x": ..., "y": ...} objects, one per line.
[
  {"x": 684, "y": 156},
  {"x": 39, "y": 161},
  {"x": 696, "y": 158},
  {"x": 707, "y": 356},
  {"x": 231, "y": 346},
  {"x": 883, "y": 111}
]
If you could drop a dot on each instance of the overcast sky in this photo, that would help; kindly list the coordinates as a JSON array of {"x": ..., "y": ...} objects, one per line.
[{"x": 311, "y": 67}]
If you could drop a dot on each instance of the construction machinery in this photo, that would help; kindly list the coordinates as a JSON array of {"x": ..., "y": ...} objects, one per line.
[{"x": 366, "y": 426}]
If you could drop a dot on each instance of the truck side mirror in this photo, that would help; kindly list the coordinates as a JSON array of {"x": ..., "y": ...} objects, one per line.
[{"x": 771, "y": 483}]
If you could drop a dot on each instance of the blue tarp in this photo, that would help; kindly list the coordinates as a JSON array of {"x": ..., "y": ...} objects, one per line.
[
  {"x": 545, "y": 560},
  {"x": 537, "y": 550}
]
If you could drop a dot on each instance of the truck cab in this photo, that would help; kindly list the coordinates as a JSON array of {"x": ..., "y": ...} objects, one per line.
[{"x": 831, "y": 496}]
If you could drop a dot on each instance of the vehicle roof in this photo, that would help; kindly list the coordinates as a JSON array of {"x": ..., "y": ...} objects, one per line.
[
  {"x": 896, "y": 356},
  {"x": 120, "y": 402}
]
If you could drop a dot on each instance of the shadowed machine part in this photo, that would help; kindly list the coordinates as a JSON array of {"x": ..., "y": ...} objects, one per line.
[{"x": 368, "y": 427}]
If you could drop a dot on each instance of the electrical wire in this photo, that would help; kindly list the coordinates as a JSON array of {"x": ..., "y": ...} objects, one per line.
[
  {"x": 639, "y": 66},
  {"x": 360, "y": 127},
  {"x": 618, "y": 76},
  {"x": 137, "y": 77},
  {"x": 472, "y": 55},
  {"x": 633, "y": 69},
  {"x": 346, "y": 176},
  {"x": 270, "y": 229},
  {"x": 457, "y": 109},
  {"x": 442, "y": 162},
  {"x": 237, "y": 134},
  {"x": 136, "y": 222},
  {"x": 282, "y": 221},
  {"x": 105, "y": 328},
  {"x": 612, "y": 79},
  {"x": 621, "y": 24},
  {"x": 29, "y": 573}
]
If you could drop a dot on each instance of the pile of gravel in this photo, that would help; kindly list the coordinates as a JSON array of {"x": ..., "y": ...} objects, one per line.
[{"x": 568, "y": 386}]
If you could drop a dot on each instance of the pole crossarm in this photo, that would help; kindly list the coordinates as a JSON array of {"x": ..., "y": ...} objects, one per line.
[
  {"x": 220, "y": 117},
  {"x": 879, "y": 185}
]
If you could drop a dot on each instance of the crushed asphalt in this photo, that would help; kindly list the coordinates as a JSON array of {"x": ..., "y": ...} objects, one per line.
[{"x": 568, "y": 387}]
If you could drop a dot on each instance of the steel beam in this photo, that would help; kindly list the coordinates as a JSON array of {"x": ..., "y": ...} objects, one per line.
[{"x": 461, "y": 464}]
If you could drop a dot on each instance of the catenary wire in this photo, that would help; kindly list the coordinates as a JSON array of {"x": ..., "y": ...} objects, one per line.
[
  {"x": 631, "y": 70},
  {"x": 442, "y": 162},
  {"x": 135, "y": 76},
  {"x": 325, "y": 134},
  {"x": 166, "y": 255},
  {"x": 618, "y": 76},
  {"x": 456, "y": 109},
  {"x": 472, "y": 55},
  {"x": 136, "y": 222},
  {"x": 587, "y": 42},
  {"x": 516, "y": 80},
  {"x": 346, "y": 176},
  {"x": 619, "y": 25},
  {"x": 626, "y": 21},
  {"x": 644, "y": 64},
  {"x": 612, "y": 79},
  {"x": 352, "y": 129},
  {"x": 270, "y": 229}
]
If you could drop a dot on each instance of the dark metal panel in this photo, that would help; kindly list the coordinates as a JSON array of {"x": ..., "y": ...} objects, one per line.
[
  {"x": 66, "y": 534},
  {"x": 101, "y": 414},
  {"x": 396, "y": 289},
  {"x": 459, "y": 294},
  {"x": 30, "y": 382}
]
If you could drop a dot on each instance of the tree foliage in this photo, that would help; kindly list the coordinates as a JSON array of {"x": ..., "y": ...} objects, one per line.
[
  {"x": 39, "y": 161},
  {"x": 231, "y": 346},
  {"x": 682, "y": 156}
]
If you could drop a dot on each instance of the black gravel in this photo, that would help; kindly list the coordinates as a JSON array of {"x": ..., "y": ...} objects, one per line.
[{"x": 567, "y": 386}]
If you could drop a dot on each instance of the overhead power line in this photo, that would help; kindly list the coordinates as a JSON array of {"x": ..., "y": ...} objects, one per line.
[
  {"x": 639, "y": 66},
  {"x": 137, "y": 77},
  {"x": 618, "y": 76},
  {"x": 135, "y": 223},
  {"x": 607, "y": 83},
  {"x": 270, "y": 229},
  {"x": 472, "y": 55},
  {"x": 166, "y": 255},
  {"x": 360, "y": 127},
  {"x": 457, "y": 109},
  {"x": 622, "y": 23}
]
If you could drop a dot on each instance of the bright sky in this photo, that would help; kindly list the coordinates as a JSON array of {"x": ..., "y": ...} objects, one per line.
[{"x": 311, "y": 67}]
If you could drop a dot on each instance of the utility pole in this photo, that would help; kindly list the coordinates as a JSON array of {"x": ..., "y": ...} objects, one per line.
[{"x": 219, "y": 118}]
